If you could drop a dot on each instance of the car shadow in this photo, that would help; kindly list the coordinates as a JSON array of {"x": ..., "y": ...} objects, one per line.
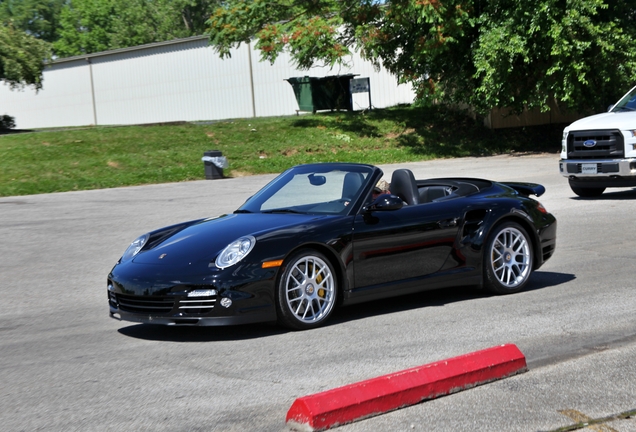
[
  {"x": 437, "y": 298},
  {"x": 610, "y": 195},
  {"x": 434, "y": 298},
  {"x": 163, "y": 333},
  {"x": 543, "y": 279}
]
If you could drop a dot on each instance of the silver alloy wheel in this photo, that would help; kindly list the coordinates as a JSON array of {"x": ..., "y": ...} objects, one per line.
[
  {"x": 310, "y": 289},
  {"x": 510, "y": 257}
]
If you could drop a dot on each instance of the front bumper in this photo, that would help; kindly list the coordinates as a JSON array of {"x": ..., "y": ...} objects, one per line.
[
  {"x": 609, "y": 172},
  {"x": 192, "y": 321},
  {"x": 186, "y": 311},
  {"x": 180, "y": 311},
  {"x": 233, "y": 298}
]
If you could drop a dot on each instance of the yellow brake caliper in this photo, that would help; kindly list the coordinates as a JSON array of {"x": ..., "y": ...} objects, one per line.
[{"x": 321, "y": 291}]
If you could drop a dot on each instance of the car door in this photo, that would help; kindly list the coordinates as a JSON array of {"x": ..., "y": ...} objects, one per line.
[{"x": 401, "y": 246}]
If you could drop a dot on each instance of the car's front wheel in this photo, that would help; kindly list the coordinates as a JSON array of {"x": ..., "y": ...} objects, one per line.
[
  {"x": 307, "y": 290},
  {"x": 508, "y": 259}
]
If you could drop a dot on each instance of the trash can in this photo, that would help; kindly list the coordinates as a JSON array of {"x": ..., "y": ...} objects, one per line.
[
  {"x": 326, "y": 93},
  {"x": 214, "y": 162}
]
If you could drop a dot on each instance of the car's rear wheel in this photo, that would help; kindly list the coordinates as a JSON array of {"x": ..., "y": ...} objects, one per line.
[
  {"x": 587, "y": 192},
  {"x": 307, "y": 290},
  {"x": 508, "y": 259}
]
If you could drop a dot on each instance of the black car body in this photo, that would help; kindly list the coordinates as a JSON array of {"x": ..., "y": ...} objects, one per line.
[{"x": 317, "y": 237}]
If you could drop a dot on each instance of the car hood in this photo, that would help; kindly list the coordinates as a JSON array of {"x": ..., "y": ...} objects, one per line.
[
  {"x": 610, "y": 120},
  {"x": 203, "y": 240}
]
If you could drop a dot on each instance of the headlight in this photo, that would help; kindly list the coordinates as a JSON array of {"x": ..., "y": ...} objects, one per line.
[
  {"x": 235, "y": 252},
  {"x": 135, "y": 247}
]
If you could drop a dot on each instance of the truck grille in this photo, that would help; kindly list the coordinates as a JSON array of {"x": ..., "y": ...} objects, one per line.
[{"x": 609, "y": 144}]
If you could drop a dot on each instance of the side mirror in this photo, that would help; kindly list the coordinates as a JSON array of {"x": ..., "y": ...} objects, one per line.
[{"x": 386, "y": 202}]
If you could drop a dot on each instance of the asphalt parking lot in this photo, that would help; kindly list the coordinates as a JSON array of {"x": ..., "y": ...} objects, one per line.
[{"x": 66, "y": 366}]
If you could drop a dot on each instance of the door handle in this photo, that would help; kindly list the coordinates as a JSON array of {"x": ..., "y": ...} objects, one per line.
[{"x": 448, "y": 223}]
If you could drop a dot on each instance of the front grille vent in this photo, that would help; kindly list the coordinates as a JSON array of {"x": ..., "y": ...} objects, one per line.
[
  {"x": 112, "y": 299},
  {"x": 197, "y": 306},
  {"x": 145, "y": 304},
  {"x": 601, "y": 167},
  {"x": 608, "y": 144}
]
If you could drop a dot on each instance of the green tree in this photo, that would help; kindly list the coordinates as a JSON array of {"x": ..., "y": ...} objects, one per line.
[
  {"x": 142, "y": 21},
  {"x": 194, "y": 14},
  {"x": 486, "y": 53},
  {"x": 22, "y": 58},
  {"x": 88, "y": 26},
  {"x": 580, "y": 52},
  {"x": 39, "y": 18},
  {"x": 85, "y": 27}
]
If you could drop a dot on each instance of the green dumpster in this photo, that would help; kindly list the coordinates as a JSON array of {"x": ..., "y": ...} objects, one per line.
[{"x": 325, "y": 93}]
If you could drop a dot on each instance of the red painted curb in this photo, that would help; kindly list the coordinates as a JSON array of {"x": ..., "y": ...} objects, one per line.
[{"x": 375, "y": 396}]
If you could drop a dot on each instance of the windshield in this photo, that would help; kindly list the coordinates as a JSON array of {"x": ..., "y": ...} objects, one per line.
[
  {"x": 312, "y": 189},
  {"x": 627, "y": 102}
]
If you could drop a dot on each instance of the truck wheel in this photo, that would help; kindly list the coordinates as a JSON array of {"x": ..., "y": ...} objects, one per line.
[{"x": 587, "y": 192}]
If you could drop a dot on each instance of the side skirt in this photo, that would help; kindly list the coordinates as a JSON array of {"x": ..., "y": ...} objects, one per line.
[{"x": 455, "y": 277}]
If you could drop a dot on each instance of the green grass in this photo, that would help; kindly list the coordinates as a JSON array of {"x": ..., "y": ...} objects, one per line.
[{"x": 104, "y": 157}]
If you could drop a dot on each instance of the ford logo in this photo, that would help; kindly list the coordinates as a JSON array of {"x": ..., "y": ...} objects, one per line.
[{"x": 589, "y": 143}]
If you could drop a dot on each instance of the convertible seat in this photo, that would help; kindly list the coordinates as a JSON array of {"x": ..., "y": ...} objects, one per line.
[
  {"x": 403, "y": 185},
  {"x": 351, "y": 185},
  {"x": 462, "y": 189},
  {"x": 432, "y": 193}
]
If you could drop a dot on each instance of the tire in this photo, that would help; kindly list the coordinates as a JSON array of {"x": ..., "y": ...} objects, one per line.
[
  {"x": 307, "y": 290},
  {"x": 588, "y": 192},
  {"x": 508, "y": 259}
]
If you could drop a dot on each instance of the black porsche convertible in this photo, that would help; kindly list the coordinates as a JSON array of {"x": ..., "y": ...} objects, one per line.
[{"x": 323, "y": 235}]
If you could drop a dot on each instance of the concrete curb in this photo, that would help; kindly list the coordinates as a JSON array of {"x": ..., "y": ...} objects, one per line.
[{"x": 375, "y": 396}]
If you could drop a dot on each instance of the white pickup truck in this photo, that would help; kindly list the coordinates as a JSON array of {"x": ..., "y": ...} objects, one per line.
[{"x": 599, "y": 151}]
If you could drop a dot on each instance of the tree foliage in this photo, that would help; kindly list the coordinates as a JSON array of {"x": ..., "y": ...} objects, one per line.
[
  {"x": 22, "y": 58},
  {"x": 38, "y": 18},
  {"x": 485, "y": 53},
  {"x": 580, "y": 52},
  {"x": 88, "y": 26},
  {"x": 85, "y": 27}
]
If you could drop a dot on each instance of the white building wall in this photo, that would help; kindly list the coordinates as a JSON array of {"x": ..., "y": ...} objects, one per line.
[
  {"x": 65, "y": 99},
  {"x": 275, "y": 96},
  {"x": 170, "y": 83},
  {"x": 176, "y": 81}
]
